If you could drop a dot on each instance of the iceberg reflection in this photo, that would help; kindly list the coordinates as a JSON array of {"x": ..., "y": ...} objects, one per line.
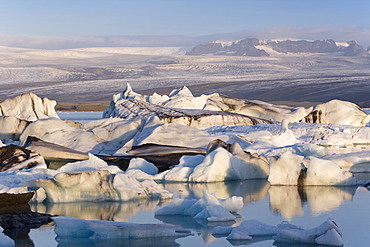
[
  {"x": 288, "y": 201},
  {"x": 249, "y": 190},
  {"x": 111, "y": 211}
]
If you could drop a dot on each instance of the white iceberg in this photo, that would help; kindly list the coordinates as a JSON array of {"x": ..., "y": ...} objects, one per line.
[
  {"x": 97, "y": 230},
  {"x": 285, "y": 170},
  {"x": 326, "y": 172},
  {"x": 207, "y": 208},
  {"x": 28, "y": 107},
  {"x": 249, "y": 228},
  {"x": 327, "y": 233},
  {"x": 96, "y": 185},
  {"x": 340, "y": 112}
]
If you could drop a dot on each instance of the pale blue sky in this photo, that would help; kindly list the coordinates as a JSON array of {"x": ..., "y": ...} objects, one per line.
[
  {"x": 74, "y": 18},
  {"x": 174, "y": 17}
]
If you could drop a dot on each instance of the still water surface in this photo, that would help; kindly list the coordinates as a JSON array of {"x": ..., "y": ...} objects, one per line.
[{"x": 307, "y": 206}]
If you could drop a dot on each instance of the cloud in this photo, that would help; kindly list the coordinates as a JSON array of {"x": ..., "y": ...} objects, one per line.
[{"x": 361, "y": 35}]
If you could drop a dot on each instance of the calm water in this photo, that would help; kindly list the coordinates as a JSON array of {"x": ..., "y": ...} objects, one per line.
[{"x": 305, "y": 206}]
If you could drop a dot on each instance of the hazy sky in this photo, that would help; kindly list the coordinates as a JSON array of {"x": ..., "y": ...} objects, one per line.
[{"x": 74, "y": 18}]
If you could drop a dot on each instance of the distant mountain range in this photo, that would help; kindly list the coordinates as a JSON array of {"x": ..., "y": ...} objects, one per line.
[{"x": 253, "y": 47}]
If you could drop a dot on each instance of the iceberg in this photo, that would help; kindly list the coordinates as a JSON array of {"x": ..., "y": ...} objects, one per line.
[
  {"x": 256, "y": 108},
  {"x": 101, "y": 231},
  {"x": 339, "y": 112},
  {"x": 28, "y": 107},
  {"x": 96, "y": 186},
  {"x": 207, "y": 208},
  {"x": 12, "y": 127},
  {"x": 250, "y": 228},
  {"x": 327, "y": 233}
]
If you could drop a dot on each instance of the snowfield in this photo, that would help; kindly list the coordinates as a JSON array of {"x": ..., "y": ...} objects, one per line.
[{"x": 90, "y": 74}]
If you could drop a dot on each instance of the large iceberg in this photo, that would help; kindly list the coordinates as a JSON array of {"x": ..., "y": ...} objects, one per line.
[
  {"x": 181, "y": 106},
  {"x": 340, "y": 112},
  {"x": 28, "y": 107},
  {"x": 96, "y": 185},
  {"x": 207, "y": 208}
]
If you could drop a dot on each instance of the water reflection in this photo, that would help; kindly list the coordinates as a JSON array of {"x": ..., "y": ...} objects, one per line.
[
  {"x": 163, "y": 242},
  {"x": 250, "y": 190},
  {"x": 111, "y": 211},
  {"x": 288, "y": 201}
]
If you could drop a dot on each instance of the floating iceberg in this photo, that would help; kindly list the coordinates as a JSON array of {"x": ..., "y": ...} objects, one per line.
[
  {"x": 327, "y": 233},
  {"x": 96, "y": 185},
  {"x": 28, "y": 107},
  {"x": 101, "y": 231},
  {"x": 207, "y": 208},
  {"x": 246, "y": 230}
]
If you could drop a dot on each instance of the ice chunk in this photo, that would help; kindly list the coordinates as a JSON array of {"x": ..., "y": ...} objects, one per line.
[
  {"x": 208, "y": 208},
  {"x": 257, "y": 108},
  {"x": 143, "y": 165},
  {"x": 96, "y": 230},
  {"x": 11, "y": 127},
  {"x": 340, "y": 112},
  {"x": 285, "y": 170},
  {"x": 327, "y": 233},
  {"x": 249, "y": 228},
  {"x": 97, "y": 185},
  {"x": 28, "y": 107},
  {"x": 326, "y": 172},
  {"x": 93, "y": 163},
  {"x": 5, "y": 241}
]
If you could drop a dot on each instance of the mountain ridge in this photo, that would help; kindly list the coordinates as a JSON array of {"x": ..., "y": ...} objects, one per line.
[{"x": 253, "y": 47}]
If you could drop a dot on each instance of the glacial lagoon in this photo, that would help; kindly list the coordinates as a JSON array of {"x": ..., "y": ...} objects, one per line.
[{"x": 306, "y": 206}]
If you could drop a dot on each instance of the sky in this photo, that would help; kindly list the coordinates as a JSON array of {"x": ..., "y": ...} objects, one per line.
[{"x": 69, "y": 19}]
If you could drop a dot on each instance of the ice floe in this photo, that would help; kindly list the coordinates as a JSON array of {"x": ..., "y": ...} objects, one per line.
[
  {"x": 327, "y": 233},
  {"x": 100, "y": 231},
  {"x": 207, "y": 208}
]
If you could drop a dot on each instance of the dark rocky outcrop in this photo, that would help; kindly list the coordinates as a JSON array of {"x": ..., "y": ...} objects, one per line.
[
  {"x": 355, "y": 49},
  {"x": 245, "y": 47},
  {"x": 16, "y": 217},
  {"x": 317, "y": 46},
  {"x": 206, "y": 48},
  {"x": 13, "y": 157}
]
